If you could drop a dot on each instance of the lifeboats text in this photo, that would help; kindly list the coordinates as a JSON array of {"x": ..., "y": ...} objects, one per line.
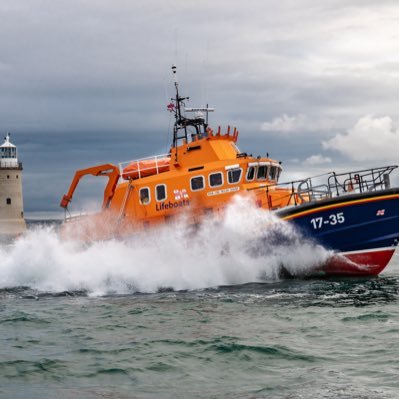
[{"x": 163, "y": 206}]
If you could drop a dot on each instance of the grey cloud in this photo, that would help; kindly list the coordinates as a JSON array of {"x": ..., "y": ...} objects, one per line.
[{"x": 91, "y": 79}]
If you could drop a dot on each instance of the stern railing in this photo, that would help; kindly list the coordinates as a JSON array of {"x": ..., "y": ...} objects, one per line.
[{"x": 329, "y": 185}]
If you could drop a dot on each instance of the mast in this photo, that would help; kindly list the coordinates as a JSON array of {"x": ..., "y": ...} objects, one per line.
[
  {"x": 199, "y": 123},
  {"x": 179, "y": 125}
]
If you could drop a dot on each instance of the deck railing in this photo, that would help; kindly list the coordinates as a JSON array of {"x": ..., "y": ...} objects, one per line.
[
  {"x": 73, "y": 218},
  {"x": 333, "y": 184}
]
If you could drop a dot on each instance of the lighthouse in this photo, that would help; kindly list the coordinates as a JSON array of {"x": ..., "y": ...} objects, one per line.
[{"x": 12, "y": 222}]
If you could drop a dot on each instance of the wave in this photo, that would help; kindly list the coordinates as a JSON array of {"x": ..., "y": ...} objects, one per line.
[{"x": 248, "y": 245}]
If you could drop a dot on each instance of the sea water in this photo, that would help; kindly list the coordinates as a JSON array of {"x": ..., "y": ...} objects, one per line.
[{"x": 175, "y": 313}]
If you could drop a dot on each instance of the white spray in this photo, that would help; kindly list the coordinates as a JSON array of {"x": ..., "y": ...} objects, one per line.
[{"x": 248, "y": 245}]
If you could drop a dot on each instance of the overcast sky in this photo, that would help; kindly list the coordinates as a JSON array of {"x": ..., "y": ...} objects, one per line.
[{"x": 314, "y": 83}]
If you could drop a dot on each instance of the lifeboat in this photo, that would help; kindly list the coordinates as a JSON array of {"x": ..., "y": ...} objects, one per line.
[
  {"x": 354, "y": 215},
  {"x": 145, "y": 168}
]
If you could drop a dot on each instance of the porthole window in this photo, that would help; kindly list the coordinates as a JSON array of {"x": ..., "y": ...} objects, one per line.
[
  {"x": 251, "y": 173},
  {"x": 160, "y": 191},
  {"x": 262, "y": 172},
  {"x": 197, "y": 183},
  {"x": 234, "y": 176},
  {"x": 8, "y": 201},
  {"x": 145, "y": 195},
  {"x": 216, "y": 179}
]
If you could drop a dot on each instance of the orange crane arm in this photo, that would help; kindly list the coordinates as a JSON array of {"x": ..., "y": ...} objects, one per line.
[{"x": 108, "y": 170}]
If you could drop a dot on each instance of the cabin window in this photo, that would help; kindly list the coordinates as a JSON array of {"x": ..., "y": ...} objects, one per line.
[
  {"x": 272, "y": 172},
  {"x": 160, "y": 191},
  {"x": 145, "y": 195},
  {"x": 216, "y": 179},
  {"x": 8, "y": 201},
  {"x": 234, "y": 175},
  {"x": 262, "y": 172},
  {"x": 197, "y": 183},
  {"x": 251, "y": 173}
]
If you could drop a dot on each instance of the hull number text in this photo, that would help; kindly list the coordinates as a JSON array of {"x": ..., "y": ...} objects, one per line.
[{"x": 331, "y": 220}]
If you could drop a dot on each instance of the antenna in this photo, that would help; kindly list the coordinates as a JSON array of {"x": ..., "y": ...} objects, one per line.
[
  {"x": 174, "y": 70},
  {"x": 182, "y": 122}
]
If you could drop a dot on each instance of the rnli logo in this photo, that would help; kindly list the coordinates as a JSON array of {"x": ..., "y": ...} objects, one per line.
[
  {"x": 180, "y": 194},
  {"x": 380, "y": 212}
]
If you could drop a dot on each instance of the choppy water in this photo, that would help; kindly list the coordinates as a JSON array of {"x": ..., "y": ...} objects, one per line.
[{"x": 122, "y": 320}]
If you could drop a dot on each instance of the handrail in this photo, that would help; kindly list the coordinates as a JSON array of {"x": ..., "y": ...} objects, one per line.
[
  {"x": 139, "y": 162},
  {"x": 334, "y": 184}
]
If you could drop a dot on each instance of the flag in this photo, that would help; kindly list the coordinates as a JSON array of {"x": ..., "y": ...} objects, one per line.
[{"x": 170, "y": 107}]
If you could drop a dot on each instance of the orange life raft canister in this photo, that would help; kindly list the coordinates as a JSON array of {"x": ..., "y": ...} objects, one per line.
[{"x": 146, "y": 168}]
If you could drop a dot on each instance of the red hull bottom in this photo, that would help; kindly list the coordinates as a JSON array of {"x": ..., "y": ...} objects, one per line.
[{"x": 359, "y": 263}]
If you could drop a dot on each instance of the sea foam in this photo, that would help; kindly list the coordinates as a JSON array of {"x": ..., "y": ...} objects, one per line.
[{"x": 248, "y": 245}]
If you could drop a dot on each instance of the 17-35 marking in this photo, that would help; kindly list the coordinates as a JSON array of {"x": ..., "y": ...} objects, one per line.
[{"x": 333, "y": 219}]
